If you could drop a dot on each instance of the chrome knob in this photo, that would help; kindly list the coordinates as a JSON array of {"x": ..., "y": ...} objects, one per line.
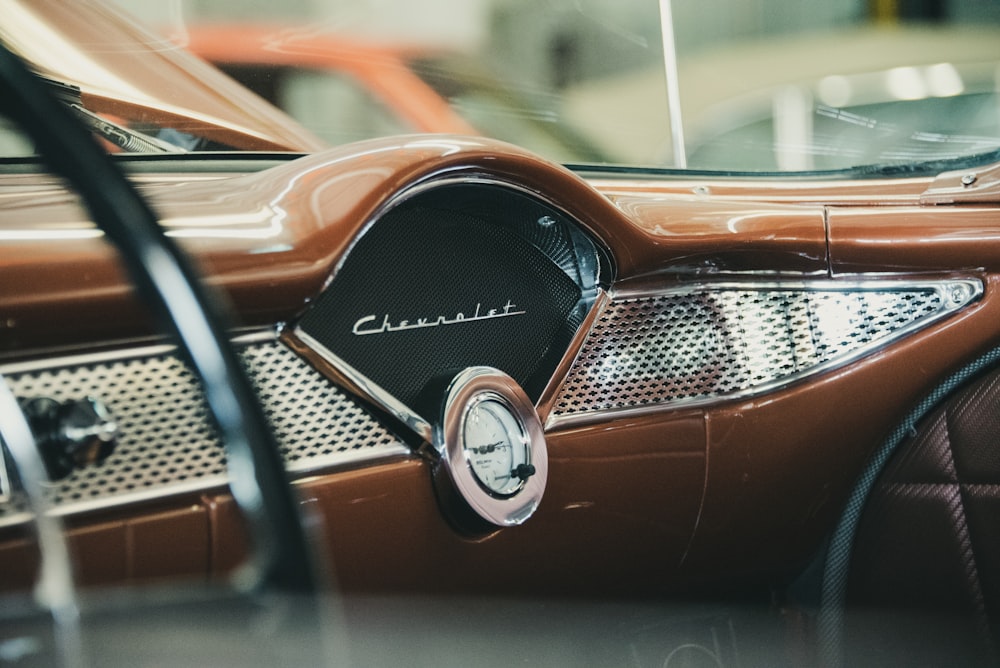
[{"x": 71, "y": 434}]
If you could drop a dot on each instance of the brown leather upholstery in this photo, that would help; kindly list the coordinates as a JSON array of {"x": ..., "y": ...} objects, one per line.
[{"x": 928, "y": 545}]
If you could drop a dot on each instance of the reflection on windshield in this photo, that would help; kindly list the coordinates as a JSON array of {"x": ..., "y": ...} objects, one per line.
[
  {"x": 764, "y": 86},
  {"x": 830, "y": 138}
]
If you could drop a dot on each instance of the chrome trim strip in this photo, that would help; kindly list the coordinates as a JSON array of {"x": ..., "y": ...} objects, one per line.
[
  {"x": 83, "y": 359},
  {"x": 120, "y": 354},
  {"x": 867, "y": 284},
  {"x": 729, "y": 336},
  {"x": 370, "y": 391},
  {"x": 127, "y": 353},
  {"x": 153, "y": 494},
  {"x": 221, "y": 482},
  {"x": 550, "y": 394},
  {"x": 55, "y": 588}
]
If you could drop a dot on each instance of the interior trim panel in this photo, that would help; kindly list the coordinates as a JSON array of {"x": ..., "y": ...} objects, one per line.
[
  {"x": 166, "y": 444},
  {"x": 682, "y": 485},
  {"x": 715, "y": 341}
]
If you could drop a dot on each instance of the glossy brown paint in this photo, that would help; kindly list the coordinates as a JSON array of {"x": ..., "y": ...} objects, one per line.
[
  {"x": 629, "y": 509},
  {"x": 741, "y": 489},
  {"x": 123, "y": 69},
  {"x": 913, "y": 239},
  {"x": 788, "y": 190},
  {"x": 139, "y": 545},
  {"x": 272, "y": 239},
  {"x": 705, "y": 236},
  {"x": 383, "y": 531}
]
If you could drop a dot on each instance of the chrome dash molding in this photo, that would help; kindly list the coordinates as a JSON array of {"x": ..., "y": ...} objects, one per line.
[
  {"x": 167, "y": 445},
  {"x": 712, "y": 342},
  {"x": 370, "y": 391}
]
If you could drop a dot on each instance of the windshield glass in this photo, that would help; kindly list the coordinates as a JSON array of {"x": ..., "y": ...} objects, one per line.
[{"x": 758, "y": 87}]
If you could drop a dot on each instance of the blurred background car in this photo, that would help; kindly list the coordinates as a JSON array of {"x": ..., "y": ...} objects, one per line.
[
  {"x": 820, "y": 100},
  {"x": 345, "y": 89}
]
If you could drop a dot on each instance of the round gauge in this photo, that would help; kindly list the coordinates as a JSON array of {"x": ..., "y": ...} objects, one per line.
[
  {"x": 491, "y": 447},
  {"x": 496, "y": 445}
]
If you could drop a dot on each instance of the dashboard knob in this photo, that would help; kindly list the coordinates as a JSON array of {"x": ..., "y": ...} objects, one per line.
[
  {"x": 71, "y": 434},
  {"x": 523, "y": 471}
]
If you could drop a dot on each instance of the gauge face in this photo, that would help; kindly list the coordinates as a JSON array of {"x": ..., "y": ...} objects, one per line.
[
  {"x": 493, "y": 462},
  {"x": 495, "y": 446}
]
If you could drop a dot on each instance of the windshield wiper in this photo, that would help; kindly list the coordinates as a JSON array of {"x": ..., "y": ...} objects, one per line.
[{"x": 124, "y": 138}]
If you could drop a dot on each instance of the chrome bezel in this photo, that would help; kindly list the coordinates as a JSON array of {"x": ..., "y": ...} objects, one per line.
[{"x": 466, "y": 390}]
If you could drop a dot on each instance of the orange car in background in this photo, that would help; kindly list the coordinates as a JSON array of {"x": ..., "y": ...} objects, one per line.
[{"x": 346, "y": 90}]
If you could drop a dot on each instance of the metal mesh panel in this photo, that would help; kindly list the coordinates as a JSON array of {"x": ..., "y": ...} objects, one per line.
[
  {"x": 166, "y": 443},
  {"x": 315, "y": 422},
  {"x": 723, "y": 342}
]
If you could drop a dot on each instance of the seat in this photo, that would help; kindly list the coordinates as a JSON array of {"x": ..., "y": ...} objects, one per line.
[{"x": 924, "y": 580}]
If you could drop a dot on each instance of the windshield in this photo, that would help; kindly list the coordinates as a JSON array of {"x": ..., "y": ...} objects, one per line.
[{"x": 741, "y": 87}]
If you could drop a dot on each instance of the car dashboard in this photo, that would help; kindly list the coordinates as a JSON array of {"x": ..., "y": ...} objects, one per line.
[{"x": 680, "y": 383}]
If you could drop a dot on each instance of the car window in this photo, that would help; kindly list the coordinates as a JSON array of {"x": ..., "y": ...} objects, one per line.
[
  {"x": 332, "y": 104},
  {"x": 760, "y": 87},
  {"x": 829, "y": 138}
]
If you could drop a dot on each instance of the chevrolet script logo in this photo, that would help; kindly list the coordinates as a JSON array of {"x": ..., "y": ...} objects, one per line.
[{"x": 367, "y": 325}]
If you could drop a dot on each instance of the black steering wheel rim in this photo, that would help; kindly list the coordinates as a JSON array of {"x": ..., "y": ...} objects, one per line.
[{"x": 168, "y": 284}]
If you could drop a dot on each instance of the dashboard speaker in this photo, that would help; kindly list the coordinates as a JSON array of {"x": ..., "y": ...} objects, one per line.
[{"x": 486, "y": 277}]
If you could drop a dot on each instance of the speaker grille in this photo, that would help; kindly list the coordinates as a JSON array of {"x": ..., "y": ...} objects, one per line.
[
  {"x": 166, "y": 442},
  {"x": 721, "y": 342},
  {"x": 461, "y": 276}
]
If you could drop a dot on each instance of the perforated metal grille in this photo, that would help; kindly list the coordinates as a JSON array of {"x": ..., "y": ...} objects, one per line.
[
  {"x": 166, "y": 443},
  {"x": 712, "y": 342}
]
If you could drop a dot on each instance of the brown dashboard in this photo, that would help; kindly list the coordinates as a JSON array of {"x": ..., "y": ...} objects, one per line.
[{"x": 717, "y": 363}]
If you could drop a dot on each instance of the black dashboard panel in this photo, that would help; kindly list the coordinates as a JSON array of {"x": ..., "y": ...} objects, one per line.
[{"x": 458, "y": 276}]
